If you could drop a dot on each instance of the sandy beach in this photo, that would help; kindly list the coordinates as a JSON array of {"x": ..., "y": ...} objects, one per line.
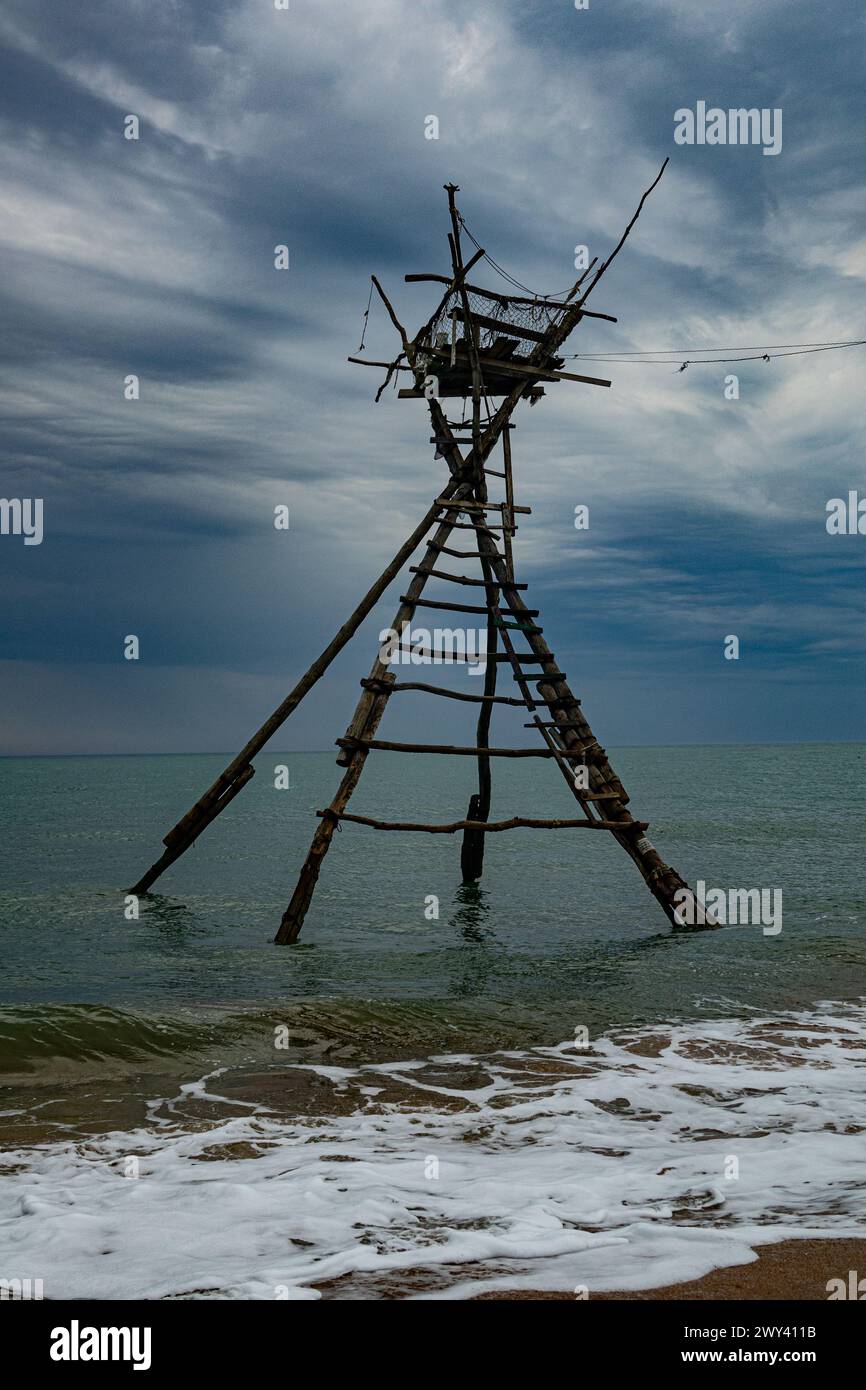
[{"x": 796, "y": 1270}]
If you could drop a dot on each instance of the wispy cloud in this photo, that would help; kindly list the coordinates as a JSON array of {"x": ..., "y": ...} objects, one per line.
[{"x": 258, "y": 127}]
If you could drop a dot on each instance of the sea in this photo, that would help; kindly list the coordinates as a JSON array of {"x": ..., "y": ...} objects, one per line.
[{"x": 441, "y": 1089}]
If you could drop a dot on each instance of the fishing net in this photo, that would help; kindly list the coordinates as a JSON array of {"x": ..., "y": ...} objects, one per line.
[{"x": 510, "y": 315}]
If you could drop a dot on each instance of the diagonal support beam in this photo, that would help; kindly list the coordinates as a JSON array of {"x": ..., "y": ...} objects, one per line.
[
  {"x": 366, "y": 719},
  {"x": 234, "y": 778}
]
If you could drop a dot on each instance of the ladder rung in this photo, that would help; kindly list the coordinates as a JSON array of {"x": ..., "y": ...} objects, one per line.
[
  {"x": 515, "y": 823},
  {"x": 442, "y": 443},
  {"x": 443, "y": 690},
  {"x": 476, "y": 659},
  {"x": 552, "y": 724},
  {"x": 590, "y": 753},
  {"x": 458, "y": 554},
  {"x": 481, "y": 506},
  {"x": 448, "y": 607},
  {"x": 469, "y": 608},
  {"x": 542, "y": 680},
  {"x": 441, "y": 658},
  {"x": 461, "y": 751},
  {"x": 469, "y": 425},
  {"x": 521, "y": 627},
  {"x": 464, "y": 579}
]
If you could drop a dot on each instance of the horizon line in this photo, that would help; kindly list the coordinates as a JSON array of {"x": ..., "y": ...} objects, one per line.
[{"x": 307, "y": 752}]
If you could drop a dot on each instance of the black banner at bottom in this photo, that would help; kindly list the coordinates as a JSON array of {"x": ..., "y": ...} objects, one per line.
[{"x": 210, "y": 1335}]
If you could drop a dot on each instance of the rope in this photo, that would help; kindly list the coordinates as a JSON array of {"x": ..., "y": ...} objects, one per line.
[
  {"x": 366, "y": 319},
  {"x": 649, "y": 357},
  {"x": 504, "y": 273},
  {"x": 663, "y": 357}
]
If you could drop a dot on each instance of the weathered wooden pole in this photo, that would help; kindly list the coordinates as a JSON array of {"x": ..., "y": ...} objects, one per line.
[
  {"x": 293, "y": 917},
  {"x": 472, "y": 849},
  {"x": 363, "y": 725}
]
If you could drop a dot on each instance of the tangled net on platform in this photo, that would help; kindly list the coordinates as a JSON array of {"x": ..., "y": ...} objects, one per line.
[{"x": 510, "y": 315}]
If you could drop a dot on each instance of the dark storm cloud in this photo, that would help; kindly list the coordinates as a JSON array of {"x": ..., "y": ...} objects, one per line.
[{"x": 306, "y": 128}]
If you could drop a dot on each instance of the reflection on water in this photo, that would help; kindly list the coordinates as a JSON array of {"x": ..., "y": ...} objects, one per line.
[
  {"x": 172, "y": 919},
  {"x": 472, "y": 916}
]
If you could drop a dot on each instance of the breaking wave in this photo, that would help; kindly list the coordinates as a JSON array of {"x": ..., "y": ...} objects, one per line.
[{"x": 652, "y": 1156}]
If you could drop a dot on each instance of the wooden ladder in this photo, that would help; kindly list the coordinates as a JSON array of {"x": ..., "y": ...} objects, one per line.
[{"x": 566, "y": 736}]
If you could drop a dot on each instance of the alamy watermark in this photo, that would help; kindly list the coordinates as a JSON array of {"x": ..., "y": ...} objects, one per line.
[
  {"x": 436, "y": 646},
  {"x": 846, "y": 516},
  {"x": 731, "y": 907},
  {"x": 22, "y": 516},
  {"x": 77, "y": 1343},
  {"x": 20, "y": 1290},
  {"x": 854, "y": 1289},
  {"x": 737, "y": 126}
]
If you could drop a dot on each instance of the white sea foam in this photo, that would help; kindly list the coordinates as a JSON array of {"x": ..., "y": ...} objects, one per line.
[{"x": 542, "y": 1169}]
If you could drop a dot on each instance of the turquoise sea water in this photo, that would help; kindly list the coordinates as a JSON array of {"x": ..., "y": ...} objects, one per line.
[
  {"x": 561, "y": 927},
  {"x": 397, "y": 1093}
]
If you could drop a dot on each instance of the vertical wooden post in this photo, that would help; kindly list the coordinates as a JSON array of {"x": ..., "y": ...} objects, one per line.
[
  {"x": 469, "y": 326},
  {"x": 472, "y": 852}
]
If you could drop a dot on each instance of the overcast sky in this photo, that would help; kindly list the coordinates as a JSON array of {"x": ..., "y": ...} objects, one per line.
[{"x": 307, "y": 127}]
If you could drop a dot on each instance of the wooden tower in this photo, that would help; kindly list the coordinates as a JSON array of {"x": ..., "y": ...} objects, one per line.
[{"x": 490, "y": 351}]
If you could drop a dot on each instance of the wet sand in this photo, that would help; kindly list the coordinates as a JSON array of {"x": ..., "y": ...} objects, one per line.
[{"x": 793, "y": 1269}]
